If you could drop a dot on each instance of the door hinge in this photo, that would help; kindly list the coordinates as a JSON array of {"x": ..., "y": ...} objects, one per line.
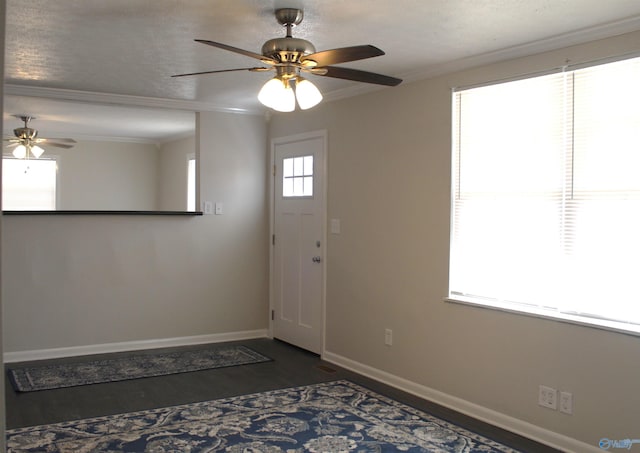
[
  {"x": 274, "y": 169},
  {"x": 273, "y": 315},
  {"x": 273, "y": 239}
]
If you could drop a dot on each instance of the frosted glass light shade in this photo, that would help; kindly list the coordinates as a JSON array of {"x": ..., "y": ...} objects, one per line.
[
  {"x": 36, "y": 151},
  {"x": 307, "y": 94},
  {"x": 270, "y": 91},
  {"x": 287, "y": 101},
  {"x": 278, "y": 95},
  {"x": 20, "y": 152}
]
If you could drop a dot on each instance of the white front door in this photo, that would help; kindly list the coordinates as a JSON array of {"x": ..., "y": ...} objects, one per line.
[{"x": 298, "y": 243}]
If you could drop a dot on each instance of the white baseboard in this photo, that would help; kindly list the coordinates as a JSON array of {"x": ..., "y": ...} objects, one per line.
[
  {"x": 528, "y": 430},
  {"x": 73, "y": 351}
]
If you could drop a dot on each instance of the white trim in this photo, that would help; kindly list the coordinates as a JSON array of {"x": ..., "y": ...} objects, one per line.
[
  {"x": 476, "y": 411},
  {"x": 74, "y": 351}
]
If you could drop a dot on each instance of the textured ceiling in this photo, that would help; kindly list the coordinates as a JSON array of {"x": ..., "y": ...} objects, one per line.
[{"x": 124, "y": 51}]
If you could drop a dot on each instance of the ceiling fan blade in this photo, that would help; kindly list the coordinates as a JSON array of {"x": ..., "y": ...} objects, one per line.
[
  {"x": 59, "y": 145},
  {"x": 52, "y": 139},
  {"x": 257, "y": 56},
  {"x": 360, "y": 76},
  {"x": 57, "y": 142},
  {"x": 342, "y": 55},
  {"x": 11, "y": 145},
  {"x": 258, "y": 69}
]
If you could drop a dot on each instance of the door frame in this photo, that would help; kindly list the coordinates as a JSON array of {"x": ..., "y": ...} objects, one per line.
[{"x": 322, "y": 134}]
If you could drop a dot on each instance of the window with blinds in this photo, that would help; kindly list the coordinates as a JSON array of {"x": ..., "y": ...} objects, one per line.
[{"x": 546, "y": 195}]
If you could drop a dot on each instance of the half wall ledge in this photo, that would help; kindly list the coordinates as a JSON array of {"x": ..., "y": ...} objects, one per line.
[{"x": 172, "y": 213}]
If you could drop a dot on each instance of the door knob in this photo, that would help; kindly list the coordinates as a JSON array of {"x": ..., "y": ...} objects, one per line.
[{"x": 316, "y": 259}]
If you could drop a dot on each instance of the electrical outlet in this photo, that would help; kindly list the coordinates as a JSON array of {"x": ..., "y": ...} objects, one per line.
[
  {"x": 547, "y": 397},
  {"x": 566, "y": 403},
  {"x": 388, "y": 337}
]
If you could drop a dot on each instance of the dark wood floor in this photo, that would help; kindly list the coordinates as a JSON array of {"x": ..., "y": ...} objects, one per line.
[{"x": 291, "y": 367}]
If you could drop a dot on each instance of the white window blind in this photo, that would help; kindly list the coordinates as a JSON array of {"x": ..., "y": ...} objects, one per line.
[{"x": 546, "y": 195}]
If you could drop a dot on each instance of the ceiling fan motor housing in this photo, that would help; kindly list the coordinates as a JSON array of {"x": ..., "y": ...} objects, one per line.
[
  {"x": 25, "y": 133},
  {"x": 287, "y": 50}
]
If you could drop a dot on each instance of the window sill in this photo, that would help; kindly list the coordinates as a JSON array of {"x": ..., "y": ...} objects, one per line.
[
  {"x": 156, "y": 213},
  {"x": 536, "y": 312}
]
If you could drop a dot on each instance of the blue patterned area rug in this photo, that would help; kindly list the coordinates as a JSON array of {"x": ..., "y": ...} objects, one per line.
[
  {"x": 46, "y": 377},
  {"x": 331, "y": 417}
]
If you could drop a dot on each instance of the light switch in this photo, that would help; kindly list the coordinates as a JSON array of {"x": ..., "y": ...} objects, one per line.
[
  {"x": 208, "y": 207},
  {"x": 218, "y": 208},
  {"x": 335, "y": 226}
]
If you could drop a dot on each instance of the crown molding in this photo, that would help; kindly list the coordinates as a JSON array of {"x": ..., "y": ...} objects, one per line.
[
  {"x": 138, "y": 140},
  {"x": 118, "y": 99},
  {"x": 608, "y": 30},
  {"x": 577, "y": 37}
]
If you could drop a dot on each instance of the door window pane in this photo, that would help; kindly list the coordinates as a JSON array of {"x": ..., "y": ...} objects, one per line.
[{"x": 297, "y": 177}]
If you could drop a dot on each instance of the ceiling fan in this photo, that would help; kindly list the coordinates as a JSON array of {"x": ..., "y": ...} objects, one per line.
[
  {"x": 289, "y": 57},
  {"x": 26, "y": 140}
]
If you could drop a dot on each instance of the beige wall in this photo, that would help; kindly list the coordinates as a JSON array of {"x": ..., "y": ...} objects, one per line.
[
  {"x": 389, "y": 183},
  {"x": 73, "y": 281},
  {"x": 108, "y": 176}
]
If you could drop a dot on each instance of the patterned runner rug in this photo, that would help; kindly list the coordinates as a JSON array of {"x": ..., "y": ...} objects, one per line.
[
  {"x": 331, "y": 417},
  {"x": 28, "y": 379}
]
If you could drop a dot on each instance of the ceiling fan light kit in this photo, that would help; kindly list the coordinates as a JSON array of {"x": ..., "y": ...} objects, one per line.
[
  {"x": 21, "y": 151},
  {"x": 291, "y": 56},
  {"x": 278, "y": 94}
]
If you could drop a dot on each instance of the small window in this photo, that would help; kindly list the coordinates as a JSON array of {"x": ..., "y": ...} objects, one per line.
[
  {"x": 191, "y": 184},
  {"x": 297, "y": 176},
  {"x": 29, "y": 184}
]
